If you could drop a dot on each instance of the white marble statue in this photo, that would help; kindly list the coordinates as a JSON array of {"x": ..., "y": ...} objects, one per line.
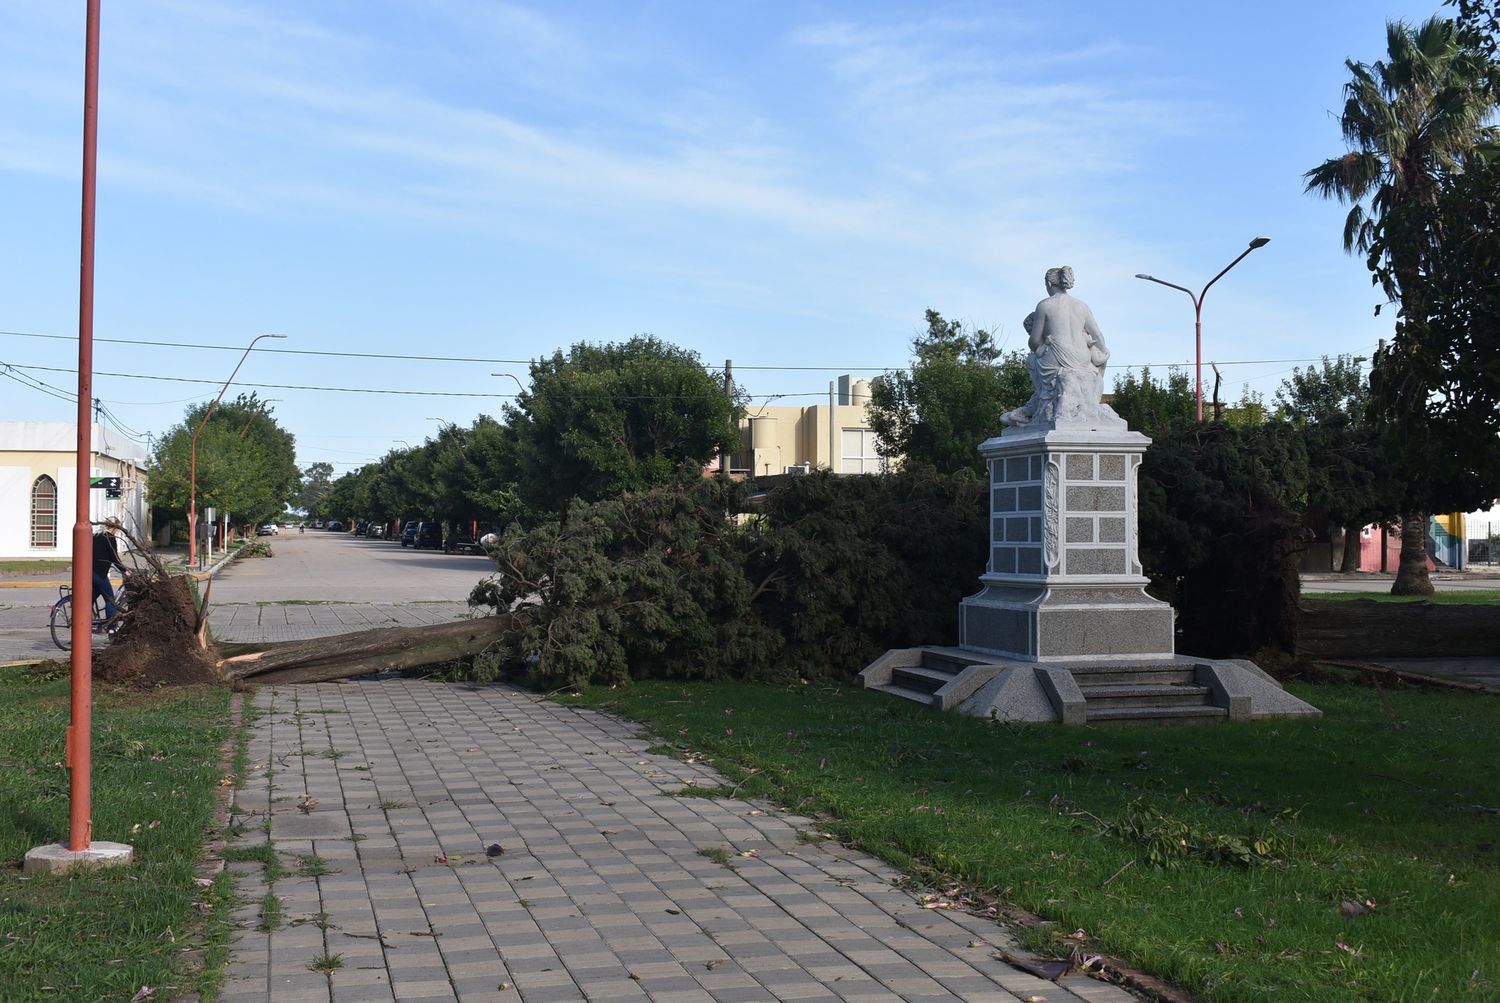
[{"x": 1066, "y": 364}]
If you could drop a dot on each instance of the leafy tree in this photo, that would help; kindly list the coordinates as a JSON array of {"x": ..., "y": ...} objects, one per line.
[
  {"x": 1219, "y": 534},
  {"x": 936, "y": 413},
  {"x": 1437, "y": 383},
  {"x": 1151, "y": 406},
  {"x": 343, "y": 498},
  {"x": 317, "y": 478},
  {"x": 606, "y": 419},
  {"x": 1349, "y": 482},
  {"x": 1408, "y": 121},
  {"x": 246, "y": 463}
]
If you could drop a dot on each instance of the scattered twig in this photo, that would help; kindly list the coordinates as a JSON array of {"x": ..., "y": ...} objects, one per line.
[{"x": 1128, "y": 864}]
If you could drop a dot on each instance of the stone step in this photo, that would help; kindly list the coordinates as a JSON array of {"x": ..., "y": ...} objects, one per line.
[
  {"x": 952, "y": 665},
  {"x": 1143, "y": 675},
  {"x": 918, "y": 696},
  {"x": 1112, "y": 695},
  {"x": 921, "y": 678},
  {"x": 1158, "y": 715}
]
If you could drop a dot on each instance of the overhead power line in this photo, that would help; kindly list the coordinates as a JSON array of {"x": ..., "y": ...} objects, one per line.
[{"x": 404, "y": 357}]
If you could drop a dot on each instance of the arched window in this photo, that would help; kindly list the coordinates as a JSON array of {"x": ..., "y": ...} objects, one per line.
[{"x": 44, "y": 512}]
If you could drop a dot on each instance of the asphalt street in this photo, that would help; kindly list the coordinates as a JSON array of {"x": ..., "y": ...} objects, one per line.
[{"x": 316, "y": 584}]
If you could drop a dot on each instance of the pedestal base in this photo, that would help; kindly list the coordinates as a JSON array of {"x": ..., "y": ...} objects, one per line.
[
  {"x": 1066, "y": 623},
  {"x": 56, "y": 857}
]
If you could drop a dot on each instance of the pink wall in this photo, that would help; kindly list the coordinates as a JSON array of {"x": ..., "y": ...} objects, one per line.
[{"x": 1369, "y": 550}]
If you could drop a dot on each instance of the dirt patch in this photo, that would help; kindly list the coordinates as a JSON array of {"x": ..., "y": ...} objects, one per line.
[{"x": 157, "y": 643}]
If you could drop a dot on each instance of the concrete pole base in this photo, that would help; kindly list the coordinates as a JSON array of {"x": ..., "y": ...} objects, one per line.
[{"x": 55, "y": 858}]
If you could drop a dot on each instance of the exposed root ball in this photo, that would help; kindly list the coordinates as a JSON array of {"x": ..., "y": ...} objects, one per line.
[{"x": 157, "y": 643}]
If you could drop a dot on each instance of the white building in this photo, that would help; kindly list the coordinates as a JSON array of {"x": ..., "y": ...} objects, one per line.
[{"x": 38, "y": 471}]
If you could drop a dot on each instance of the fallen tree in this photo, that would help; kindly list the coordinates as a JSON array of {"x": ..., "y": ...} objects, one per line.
[
  {"x": 387, "y": 649},
  {"x": 163, "y": 638}
]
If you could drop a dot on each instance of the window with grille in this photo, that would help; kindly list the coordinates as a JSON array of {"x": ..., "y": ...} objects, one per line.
[
  {"x": 44, "y": 512},
  {"x": 858, "y": 453}
]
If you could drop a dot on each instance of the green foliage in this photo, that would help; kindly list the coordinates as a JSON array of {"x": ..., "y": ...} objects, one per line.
[
  {"x": 651, "y": 583},
  {"x": 853, "y": 566},
  {"x": 683, "y": 582},
  {"x": 1172, "y": 840},
  {"x": 606, "y": 419},
  {"x": 317, "y": 478},
  {"x": 246, "y": 463},
  {"x": 1436, "y": 385},
  {"x": 1219, "y": 534},
  {"x": 938, "y": 412},
  {"x": 1152, "y": 407},
  {"x": 1350, "y": 483},
  {"x": 1413, "y": 123}
]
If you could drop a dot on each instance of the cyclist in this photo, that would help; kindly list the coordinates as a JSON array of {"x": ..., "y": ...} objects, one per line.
[{"x": 106, "y": 556}]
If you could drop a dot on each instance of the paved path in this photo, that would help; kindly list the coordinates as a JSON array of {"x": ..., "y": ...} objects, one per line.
[{"x": 603, "y": 892}]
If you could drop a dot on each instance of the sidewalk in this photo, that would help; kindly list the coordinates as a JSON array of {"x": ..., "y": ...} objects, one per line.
[{"x": 607, "y": 888}]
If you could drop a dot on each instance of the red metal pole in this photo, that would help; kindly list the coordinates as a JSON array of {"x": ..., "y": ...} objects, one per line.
[
  {"x": 1198, "y": 351},
  {"x": 79, "y": 746}
]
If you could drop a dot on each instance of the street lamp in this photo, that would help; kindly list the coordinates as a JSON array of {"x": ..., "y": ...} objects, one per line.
[
  {"x": 193, "y": 453},
  {"x": 1198, "y": 312},
  {"x": 519, "y": 385}
]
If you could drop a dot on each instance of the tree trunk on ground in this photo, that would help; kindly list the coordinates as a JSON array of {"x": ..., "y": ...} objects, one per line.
[
  {"x": 1352, "y": 541},
  {"x": 387, "y": 650},
  {"x": 1411, "y": 576}
]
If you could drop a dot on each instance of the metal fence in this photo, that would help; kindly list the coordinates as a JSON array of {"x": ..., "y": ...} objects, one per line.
[{"x": 1484, "y": 542}]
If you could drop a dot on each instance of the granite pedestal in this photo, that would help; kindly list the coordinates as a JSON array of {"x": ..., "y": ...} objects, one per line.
[{"x": 1064, "y": 581}]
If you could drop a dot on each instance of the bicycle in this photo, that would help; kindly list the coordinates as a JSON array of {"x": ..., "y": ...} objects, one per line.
[{"x": 61, "y": 620}]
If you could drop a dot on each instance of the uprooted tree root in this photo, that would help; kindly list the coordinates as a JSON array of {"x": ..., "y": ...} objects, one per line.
[
  {"x": 163, "y": 639},
  {"x": 159, "y": 639},
  {"x": 158, "y": 643}
]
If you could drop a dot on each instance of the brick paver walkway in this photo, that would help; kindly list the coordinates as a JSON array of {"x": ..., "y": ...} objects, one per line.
[{"x": 603, "y": 891}]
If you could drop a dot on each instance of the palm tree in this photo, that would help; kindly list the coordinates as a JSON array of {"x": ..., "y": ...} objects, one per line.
[{"x": 1408, "y": 121}]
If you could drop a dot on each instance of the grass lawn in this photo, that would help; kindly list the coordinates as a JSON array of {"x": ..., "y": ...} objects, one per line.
[
  {"x": 35, "y": 567},
  {"x": 103, "y": 935},
  {"x": 1224, "y": 858},
  {"x": 1452, "y": 597}
]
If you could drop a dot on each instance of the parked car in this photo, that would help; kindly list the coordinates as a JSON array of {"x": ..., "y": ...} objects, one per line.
[
  {"x": 409, "y": 533},
  {"x": 335, "y": 526},
  {"x": 375, "y": 530},
  {"x": 267, "y": 530},
  {"x": 429, "y": 534},
  {"x": 461, "y": 541}
]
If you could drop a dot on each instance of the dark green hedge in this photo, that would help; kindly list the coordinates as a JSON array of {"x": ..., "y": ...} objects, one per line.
[{"x": 816, "y": 578}]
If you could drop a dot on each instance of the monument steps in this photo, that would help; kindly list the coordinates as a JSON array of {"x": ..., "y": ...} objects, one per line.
[
  {"x": 1177, "y": 691},
  {"x": 922, "y": 678},
  {"x": 924, "y": 697},
  {"x": 1159, "y": 715},
  {"x": 1134, "y": 674},
  {"x": 1125, "y": 696}
]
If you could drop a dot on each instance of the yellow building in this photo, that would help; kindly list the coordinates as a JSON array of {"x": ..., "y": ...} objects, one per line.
[
  {"x": 38, "y": 471},
  {"x": 833, "y": 434}
]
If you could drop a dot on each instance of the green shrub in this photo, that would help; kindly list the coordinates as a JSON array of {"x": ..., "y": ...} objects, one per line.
[{"x": 700, "y": 580}]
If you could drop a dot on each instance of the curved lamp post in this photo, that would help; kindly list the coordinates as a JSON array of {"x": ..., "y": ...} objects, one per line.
[
  {"x": 519, "y": 385},
  {"x": 193, "y": 453},
  {"x": 1198, "y": 312}
]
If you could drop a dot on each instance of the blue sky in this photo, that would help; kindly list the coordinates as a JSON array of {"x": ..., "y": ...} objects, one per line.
[{"x": 781, "y": 184}]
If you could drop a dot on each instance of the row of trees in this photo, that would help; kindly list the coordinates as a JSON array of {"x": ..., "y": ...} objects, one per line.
[{"x": 596, "y": 422}]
